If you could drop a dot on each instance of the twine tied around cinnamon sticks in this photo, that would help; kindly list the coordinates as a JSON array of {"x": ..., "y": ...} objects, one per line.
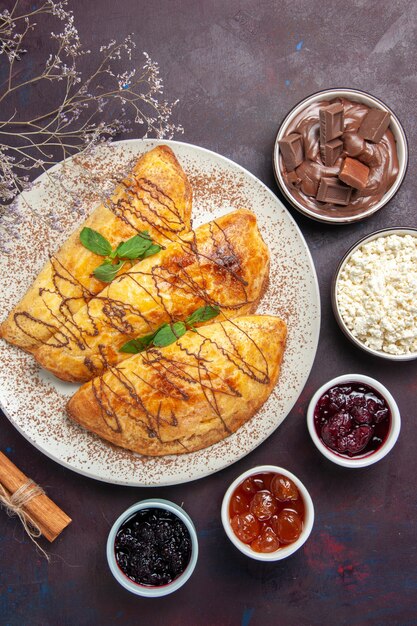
[
  {"x": 21, "y": 496},
  {"x": 14, "y": 504}
]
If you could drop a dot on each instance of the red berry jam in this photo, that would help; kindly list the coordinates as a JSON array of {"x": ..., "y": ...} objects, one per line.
[
  {"x": 153, "y": 547},
  {"x": 267, "y": 512},
  {"x": 352, "y": 419}
]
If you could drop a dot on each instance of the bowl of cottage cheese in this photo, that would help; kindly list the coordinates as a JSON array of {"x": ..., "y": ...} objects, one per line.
[{"x": 374, "y": 294}]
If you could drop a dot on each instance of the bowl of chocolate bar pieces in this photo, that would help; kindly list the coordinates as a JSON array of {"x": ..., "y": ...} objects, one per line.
[{"x": 340, "y": 155}]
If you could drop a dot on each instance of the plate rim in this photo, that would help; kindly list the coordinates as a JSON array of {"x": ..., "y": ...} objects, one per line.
[{"x": 315, "y": 339}]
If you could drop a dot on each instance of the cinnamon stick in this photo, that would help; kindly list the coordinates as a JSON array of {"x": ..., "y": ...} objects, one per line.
[{"x": 47, "y": 515}]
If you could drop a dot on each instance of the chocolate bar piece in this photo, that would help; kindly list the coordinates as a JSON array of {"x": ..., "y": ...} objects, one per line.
[
  {"x": 332, "y": 191},
  {"x": 374, "y": 125},
  {"x": 331, "y": 122},
  {"x": 354, "y": 173},
  {"x": 331, "y": 151},
  {"x": 292, "y": 151}
]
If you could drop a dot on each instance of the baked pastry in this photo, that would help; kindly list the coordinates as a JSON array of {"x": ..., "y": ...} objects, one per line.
[
  {"x": 223, "y": 263},
  {"x": 156, "y": 197},
  {"x": 188, "y": 395}
]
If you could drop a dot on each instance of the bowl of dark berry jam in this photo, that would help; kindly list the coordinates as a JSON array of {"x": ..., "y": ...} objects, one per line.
[
  {"x": 267, "y": 513},
  {"x": 353, "y": 420},
  {"x": 152, "y": 548}
]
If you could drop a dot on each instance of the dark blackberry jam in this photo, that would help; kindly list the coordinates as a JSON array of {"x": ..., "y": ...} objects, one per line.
[
  {"x": 352, "y": 419},
  {"x": 153, "y": 547}
]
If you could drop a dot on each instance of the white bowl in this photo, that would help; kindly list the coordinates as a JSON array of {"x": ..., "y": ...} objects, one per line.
[
  {"x": 339, "y": 318},
  {"x": 281, "y": 553},
  {"x": 395, "y": 126},
  {"x": 371, "y": 457},
  {"x": 142, "y": 590}
]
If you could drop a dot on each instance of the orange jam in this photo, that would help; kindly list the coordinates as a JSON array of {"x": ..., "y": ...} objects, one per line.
[{"x": 267, "y": 512}]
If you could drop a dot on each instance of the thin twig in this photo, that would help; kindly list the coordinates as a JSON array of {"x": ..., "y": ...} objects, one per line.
[{"x": 74, "y": 123}]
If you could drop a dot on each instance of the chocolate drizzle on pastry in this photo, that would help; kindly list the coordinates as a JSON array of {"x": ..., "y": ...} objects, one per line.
[
  {"x": 223, "y": 263},
  {"x": 62, "y": 278},
  {"x": 156, "y": 196},
  {"x": 189, "y": 394},
  {"x": 166, "y": 222}
]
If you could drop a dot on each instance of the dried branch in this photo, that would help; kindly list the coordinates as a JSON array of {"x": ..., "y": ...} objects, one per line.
[{"x": 74, "y": 120}]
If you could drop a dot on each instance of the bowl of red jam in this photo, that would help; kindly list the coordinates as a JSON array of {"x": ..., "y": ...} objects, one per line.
[
  {"x": 152, "y": 548},
  {"x": 353, "y": 420},
  {"x": 267, "y": 513}
]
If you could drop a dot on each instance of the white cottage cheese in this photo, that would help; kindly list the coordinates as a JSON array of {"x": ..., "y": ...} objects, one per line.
[{"x": 377, "y": 294}]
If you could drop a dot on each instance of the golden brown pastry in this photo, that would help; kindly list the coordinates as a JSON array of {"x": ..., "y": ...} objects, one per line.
[
  {"x": 188, "y": 395},
  {"x": 223, "y": 263},
  {"x": 156, "y": 197}
]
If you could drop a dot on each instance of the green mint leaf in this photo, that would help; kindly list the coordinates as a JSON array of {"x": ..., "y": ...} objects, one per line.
[
  {"x": 203, "y": 314},
  {"x": 163, "y": 336},
  {"x": 106, "y": 272},
  {"x": 92, "y": 240},
  {"x": 134, "y": 248},
  {"x": 153, "y": 249},
  {"x": 169, "y": 333},
  {"x": 134, "y": 346}
]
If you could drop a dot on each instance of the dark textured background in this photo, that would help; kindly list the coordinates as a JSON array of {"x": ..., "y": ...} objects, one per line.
[{"x": 237, "y": 68}]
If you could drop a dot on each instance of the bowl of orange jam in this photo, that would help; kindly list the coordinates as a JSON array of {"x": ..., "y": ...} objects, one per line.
[{"x": 267, "y": 513}]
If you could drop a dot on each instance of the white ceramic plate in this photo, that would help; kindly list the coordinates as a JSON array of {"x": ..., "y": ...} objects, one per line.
[{"x": 34, "y": 400}]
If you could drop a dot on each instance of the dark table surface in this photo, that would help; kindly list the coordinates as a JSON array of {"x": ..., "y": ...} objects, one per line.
[{"x": 237, "y": 67}]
